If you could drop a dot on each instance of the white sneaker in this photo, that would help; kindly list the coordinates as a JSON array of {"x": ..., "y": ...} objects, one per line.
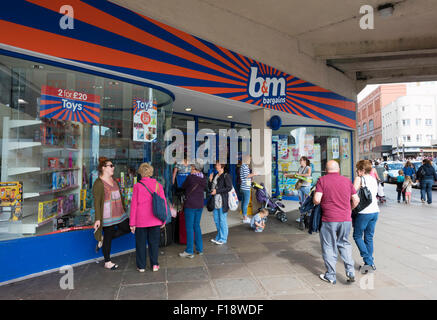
[
  {"x": 214, "y": 241},
  {"x": 186, "y": 255},
  {"x": 219, "y": 243},
  {"x": 247, "y": 220}
]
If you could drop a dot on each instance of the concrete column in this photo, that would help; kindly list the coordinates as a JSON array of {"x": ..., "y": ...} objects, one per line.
[{"x": 261, "y": 151}]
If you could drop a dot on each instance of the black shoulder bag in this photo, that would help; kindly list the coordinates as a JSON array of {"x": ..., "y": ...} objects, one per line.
[{"x": 365, "y": 198}]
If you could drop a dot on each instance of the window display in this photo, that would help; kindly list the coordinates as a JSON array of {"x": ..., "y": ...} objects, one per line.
[
  {"x": 55, "y": 123},
  {"x": 319, "y": 144}
]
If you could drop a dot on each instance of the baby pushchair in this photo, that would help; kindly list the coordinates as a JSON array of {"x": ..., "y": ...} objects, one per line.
[
  {"x": 273, "y": 205},
  {"x": 380, "y": 195}
]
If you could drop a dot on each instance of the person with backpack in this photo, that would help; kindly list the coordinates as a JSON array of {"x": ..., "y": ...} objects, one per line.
[
  {"x": 399, "y": 183},
  {"x": 143, "y": 222},
  {"x": 365, "y": 221},
  {"x": 194, "y": 187},
  {"x": 220, "y": 185},
  {"x": 426, "y": 175}
]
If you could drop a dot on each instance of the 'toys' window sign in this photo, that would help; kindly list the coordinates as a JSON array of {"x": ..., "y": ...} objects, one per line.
[{"x": 144, "y": 120}]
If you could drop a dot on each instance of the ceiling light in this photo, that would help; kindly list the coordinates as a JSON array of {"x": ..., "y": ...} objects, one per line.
[
  {"x": 37, "y": 66},
  {"x": 386, "y": 10},
  {"x": 229, "y": 117},
  {"x": 113, "y": 83},
  {"x": 21, "y": 101},
  {"x": 188, "y": 109}
]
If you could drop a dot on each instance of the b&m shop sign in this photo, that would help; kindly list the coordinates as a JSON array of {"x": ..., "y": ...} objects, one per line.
[{"x": 69, "y": 105}]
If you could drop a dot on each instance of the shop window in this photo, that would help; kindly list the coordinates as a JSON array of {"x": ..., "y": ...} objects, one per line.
[
  {"x": 54, "y": 125},
  {"x": 319, "y": 144}
]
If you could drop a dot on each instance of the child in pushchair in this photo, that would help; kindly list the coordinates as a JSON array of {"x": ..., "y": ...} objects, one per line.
[{"x": 273, "y": 205}]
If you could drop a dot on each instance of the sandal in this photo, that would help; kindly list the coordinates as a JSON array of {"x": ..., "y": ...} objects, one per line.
[{"x": 114, "y": 267}]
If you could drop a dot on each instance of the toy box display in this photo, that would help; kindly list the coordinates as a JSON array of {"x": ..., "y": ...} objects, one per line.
[
  {"x": 72, "y": 222},
  {"x": 47, "y": 210},
  {"x": 57, "y": 207},
  {"x": 11, "y": 200},
  {"x": 63, "y": 179},
  {"x": 57, "y": 133}
]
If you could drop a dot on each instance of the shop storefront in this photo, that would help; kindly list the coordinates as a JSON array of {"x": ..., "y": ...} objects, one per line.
[{"x": 110, "y": 88}]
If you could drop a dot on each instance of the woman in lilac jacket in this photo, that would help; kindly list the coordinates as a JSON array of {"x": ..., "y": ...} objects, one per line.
[{"x": 143, "y": 223}]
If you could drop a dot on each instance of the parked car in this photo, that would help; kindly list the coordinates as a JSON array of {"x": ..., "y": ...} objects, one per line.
[{"x": 391, "y": 172}]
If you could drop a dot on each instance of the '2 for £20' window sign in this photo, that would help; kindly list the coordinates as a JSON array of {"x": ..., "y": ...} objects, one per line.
[{"x": 69, "y": 105}]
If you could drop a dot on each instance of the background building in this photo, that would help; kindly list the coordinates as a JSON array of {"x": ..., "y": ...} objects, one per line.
[
  {"x": 369, "y": 119},
  {"x": 409, "y": 122}
]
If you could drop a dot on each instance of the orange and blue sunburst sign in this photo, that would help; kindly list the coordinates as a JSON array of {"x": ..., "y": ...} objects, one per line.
[{"x": 69, "y": 105}]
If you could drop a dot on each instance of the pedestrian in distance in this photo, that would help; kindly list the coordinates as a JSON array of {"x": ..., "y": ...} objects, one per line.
[
  {"x": 258, "y": 221},
  {"x": 365, "y": 221},
  {"x": 110, "y": 212},
  {"x": 399, "y": 182},
  {"x": 194, "y": 187},
  {"x": 426, "y": 174},
  {"x": 408, "y": 188},
  {"x": 409, "y": 170},
  {"x": 220, "y": 185},
  {"x": 337, "y": 197},
  {"x": 246, "y": 183},
  {"x": 143, "y": 222}
]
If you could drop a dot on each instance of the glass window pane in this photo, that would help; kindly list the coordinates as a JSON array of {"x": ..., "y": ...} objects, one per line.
[{"x": 55, "y": 124}]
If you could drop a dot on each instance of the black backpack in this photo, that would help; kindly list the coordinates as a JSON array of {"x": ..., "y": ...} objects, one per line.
[{"x": 421, "y": 173}]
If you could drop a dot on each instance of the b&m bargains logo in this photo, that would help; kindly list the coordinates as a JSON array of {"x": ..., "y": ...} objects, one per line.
[{"x": 271, "y": 89}]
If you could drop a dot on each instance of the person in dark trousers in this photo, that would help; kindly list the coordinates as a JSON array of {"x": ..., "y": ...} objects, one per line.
[
  {"x": 220, "y": 185},
  {"x": 143, "y": 222},
  {"x": 110, "y": 213},
  {"x": 194, "y": 187},
  {"x": 426, "y": 174},
  {"x": 399, "y": 183}
]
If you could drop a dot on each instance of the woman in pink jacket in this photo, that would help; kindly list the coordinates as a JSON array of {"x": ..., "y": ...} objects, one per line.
[{"x": 143, "y": 223}]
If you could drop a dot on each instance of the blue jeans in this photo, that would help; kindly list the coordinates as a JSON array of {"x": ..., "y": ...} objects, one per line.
[
  {"x": 194, "y": 233},
  {"x": 334, "y": 237},
  {"x": 220, "y": 219},
  {"x": 245, "y": 202},
  {"x": 426, "y": 188},
  {"x": 303, "y": 193},
  {"x": 365, "y": 224}
]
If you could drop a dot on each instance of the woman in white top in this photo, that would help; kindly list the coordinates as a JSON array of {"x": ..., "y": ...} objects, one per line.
[{"x": 365, "y": 222}]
